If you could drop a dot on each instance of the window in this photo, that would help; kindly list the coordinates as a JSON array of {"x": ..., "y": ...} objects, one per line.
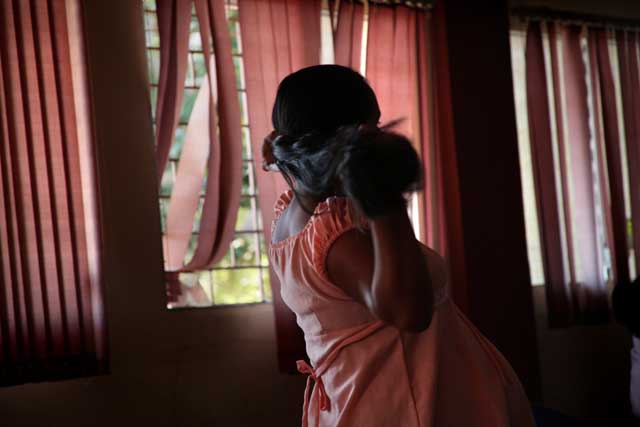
[
  {"x": 534, "y": 247},
  {"x": 242, "y": 276}
]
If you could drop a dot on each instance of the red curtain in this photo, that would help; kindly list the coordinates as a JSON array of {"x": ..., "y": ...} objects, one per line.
[
  {"x": 278, "y": 38},
  {"x": 566, "y": 202},
  {"x": 51, "y": 311},
  {"x": 212, "y": 150}
]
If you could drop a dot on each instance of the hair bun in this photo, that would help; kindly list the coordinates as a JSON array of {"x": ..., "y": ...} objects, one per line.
[{"x": 377, "y": 167}]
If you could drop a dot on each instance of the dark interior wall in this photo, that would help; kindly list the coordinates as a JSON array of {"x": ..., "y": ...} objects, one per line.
[
  {"x": 624, "y": 9},
  {"x": 214, "y": 367},
  {"x": 584, "y": 369}
]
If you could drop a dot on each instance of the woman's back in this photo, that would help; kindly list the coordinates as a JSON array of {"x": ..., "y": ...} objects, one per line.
[{"x": 371, "y": 374}]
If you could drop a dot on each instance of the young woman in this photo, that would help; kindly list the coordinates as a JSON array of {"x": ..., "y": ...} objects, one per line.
[{"x": 387, "y": 345}]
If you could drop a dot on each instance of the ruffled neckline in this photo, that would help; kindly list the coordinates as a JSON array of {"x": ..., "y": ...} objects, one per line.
[{"x": 283, "y": 202}]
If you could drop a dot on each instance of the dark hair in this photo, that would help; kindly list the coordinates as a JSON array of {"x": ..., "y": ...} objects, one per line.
[{"x": 328, "y": 142}]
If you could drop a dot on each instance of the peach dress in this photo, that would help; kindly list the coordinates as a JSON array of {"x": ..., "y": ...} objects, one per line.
[{"x": 371, "y": 374}]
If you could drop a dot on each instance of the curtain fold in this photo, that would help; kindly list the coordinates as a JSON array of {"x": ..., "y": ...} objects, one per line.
[
  {"x": 278, "y": 38},
  {"x": 348, "y": 35},
  {"x": 51, "y": 314}
]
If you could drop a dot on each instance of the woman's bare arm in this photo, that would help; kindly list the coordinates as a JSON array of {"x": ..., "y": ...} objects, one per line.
[{"x": 387, "y": 271}]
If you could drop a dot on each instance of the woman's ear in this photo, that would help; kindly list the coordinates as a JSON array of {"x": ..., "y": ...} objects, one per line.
[{"x": 268, "y": 159}]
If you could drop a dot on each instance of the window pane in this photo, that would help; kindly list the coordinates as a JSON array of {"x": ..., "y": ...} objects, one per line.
[
  {"x": 264, "y": 255},
  {"x": 166, "y": 185},
  {"x": 266, "y": 283},
  {"x": 187, "y": 104},
  {"x": 245, "y": 250},
  {"x": 154, "y": 102},
  {"x": 246, "y": 143},
  {"x": 244, "y": 119},
  {"x": 150, "y": 4},
  {"x": 189, "y": 79},
  {"x": 199, "y": 67},
  {"x": 237, "y": 62},
  {"x": 198, "y": 216},
  {"x": 205, "y": 281},
  {"x": 178, "y": 142},
  {"x": 191, "y": 249},
  {"x": 196, "y": 294},
  {"x": 164, "y": 208},
  {"x": 236, "y": 286},
  {"x": 244, "y": 222},
  {"x": 234, "y": 32},
  {"x": 258, "y": 216},
  {"x": 226, "y": 260},
  {"x": 195, "y": 42},
  {"x": 246, "y": 179},
  {"x": 154, "y": 65}
]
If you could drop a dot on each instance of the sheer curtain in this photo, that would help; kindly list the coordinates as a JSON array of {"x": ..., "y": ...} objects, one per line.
[{"x": 52, "y": 322}]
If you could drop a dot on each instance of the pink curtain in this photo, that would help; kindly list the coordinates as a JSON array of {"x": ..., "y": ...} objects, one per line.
[
  {"x": 347, "y": 39},
  {"x": 392, "y": 59},
  {"x": 51, "y": 311},
  {"x": 278, "y": 37},
  {"x": 212, "y": 150},
  {"x": 566, "y": 204}
]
